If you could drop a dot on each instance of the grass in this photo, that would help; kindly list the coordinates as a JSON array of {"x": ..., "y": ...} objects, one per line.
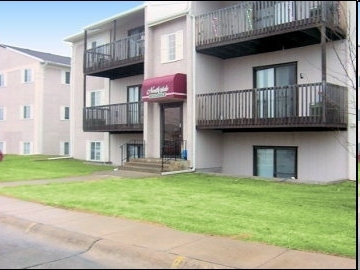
[
  {"x": 15, "y": 167},
  {"x": 319, "y": 218}
]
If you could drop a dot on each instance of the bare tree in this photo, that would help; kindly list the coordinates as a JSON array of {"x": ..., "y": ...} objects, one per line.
[{"x": 346, "y": 73}]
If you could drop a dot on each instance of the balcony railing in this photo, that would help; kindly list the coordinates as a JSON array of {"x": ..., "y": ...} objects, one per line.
[
  {"x": 294, "y": 23},
  {"x": 116, "y": 118},
  {"x": 120, "y": 53},
  {"x": 302, "y": 106}
]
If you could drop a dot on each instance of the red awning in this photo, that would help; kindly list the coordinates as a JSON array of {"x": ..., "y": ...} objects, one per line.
[{"x": 166, "y": 88}]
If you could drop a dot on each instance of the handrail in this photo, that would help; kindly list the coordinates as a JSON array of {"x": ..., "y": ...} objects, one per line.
[
  {"x": 173, "y": 149},
  {"x": 124, "y": 153},
  {"x": 300, "y": 104}
]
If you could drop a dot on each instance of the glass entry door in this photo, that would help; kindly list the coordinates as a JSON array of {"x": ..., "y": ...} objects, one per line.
[
  {"x": 171, "y": 130},
  {"x": 272, "y": 99},
  {"x": 133, "y": 99}
]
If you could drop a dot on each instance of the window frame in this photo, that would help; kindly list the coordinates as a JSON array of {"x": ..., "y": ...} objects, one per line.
[
  {"x": 95, "y": 151},
  {"x": 275, "y": 148},
  {"x": 172, "y": 49},
  {"x": 65, "y": 148},
  {"x": 27, "y": 75},
  {"x": 65, "y": 113},
  {"x": 2, "y": 80},
  {"x": 26, "y": 148},
  {"x": 2, "y": 114},
  {"x": 26, "y": 112},
  {"x": 65, "y": 77}
]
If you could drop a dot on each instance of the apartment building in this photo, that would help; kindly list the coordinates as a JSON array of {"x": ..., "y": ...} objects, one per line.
[
  {"x": 34, "y": 102},
  {"x": 249, "y": 88}
]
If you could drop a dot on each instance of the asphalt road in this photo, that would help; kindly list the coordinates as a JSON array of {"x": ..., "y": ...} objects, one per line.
[{"x": 19, "y": 250}]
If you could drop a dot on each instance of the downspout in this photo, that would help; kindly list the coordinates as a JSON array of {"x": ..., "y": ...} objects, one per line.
[
  {"x": 323, "y": 60},
  {"x": 193, "y": 168},
  {"x": 84, "y": 63}
]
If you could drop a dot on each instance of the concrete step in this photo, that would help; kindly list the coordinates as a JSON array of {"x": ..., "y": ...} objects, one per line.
[
  {"x": 154, "y": 165},
  {"x": 140, "y": 169}
]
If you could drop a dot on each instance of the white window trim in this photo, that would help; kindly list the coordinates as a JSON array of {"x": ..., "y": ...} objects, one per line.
[
  {"x": 88, "y": 150},
  {"x": 22, "y": 148},
  {"x": 62, "y": 148},
  {"x": 22, "y": 112},
  {"x": 23, "y": 75},
  {"x": 3, "y": 147},
  {"x": 63, "y": 77},
  {"x": 4, "y": 113},
  {"x": 101, "y": 97},
  {"x": 2, "y": 79},
  {"x": 62, "y": 113},
  {"x": 179, "y": 47}
]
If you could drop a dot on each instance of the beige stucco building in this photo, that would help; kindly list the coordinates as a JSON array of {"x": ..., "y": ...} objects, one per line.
[
  {"x": 34, "y": 102},
  {"x": 250, "y": 88}
]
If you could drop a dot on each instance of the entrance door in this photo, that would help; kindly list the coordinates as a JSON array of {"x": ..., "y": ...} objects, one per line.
[
  {"x": 171, "y": 126},
  {"x": 133, "y": 99},
  {"x": 134, "y": 41},
  {"x": 272, "y": 99}
]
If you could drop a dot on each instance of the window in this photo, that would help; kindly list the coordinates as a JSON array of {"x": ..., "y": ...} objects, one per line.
[
  {"x": 65, "y": 77},
  {"x": 65, "y": 113},
  {"x": 64, "y": 148},
  {"x": 27, "y": 75},
  {"x": 2, "y": 147},
  {"x": 26, "y": 148},
  {"x": 275, "y": 162},
  {"x": 2, "y": 114},
  {"x": 95, "y": 151},
  {"x": 2, "y": 80},
  {"x": 273, "y": 100},
  {"x": 134, "y": 109},
  {"x": 172, "y": 47},
  {"x": 95, "y": 98},
  {"x": 26, "y": 112}
]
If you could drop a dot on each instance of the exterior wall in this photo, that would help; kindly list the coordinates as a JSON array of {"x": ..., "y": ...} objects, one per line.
[
  {"x": 56, "y": 94},
  {"x": 45, "y": 94},
  {"x": 332, "y": 159},
  {"x": 154, "y": 68},
  {"x": 113, "y": 92},
  {"x": 321, "y": 157},
  {"x": 317, "y": 162},
  {"x": 80, "y": 139}
]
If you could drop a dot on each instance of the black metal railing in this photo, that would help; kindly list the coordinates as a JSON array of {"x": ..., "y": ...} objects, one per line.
[
  {"x": 114, "y": 54},
  {"x": 173, "y": 149},
  {"x": 132, "y": 149},
  {"x": 115, "y": 117},
  {"x": 251, "y": 19},
  {"x": 300, "y": 105}
]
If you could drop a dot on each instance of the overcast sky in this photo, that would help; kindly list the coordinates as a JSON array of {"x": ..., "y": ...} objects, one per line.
[{"x": 43, "y": 25}]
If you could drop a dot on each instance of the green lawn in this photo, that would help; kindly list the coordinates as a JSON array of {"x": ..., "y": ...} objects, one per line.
[
  {"x": 319, "y": 218},
  {"x": 15, "y": 167}
]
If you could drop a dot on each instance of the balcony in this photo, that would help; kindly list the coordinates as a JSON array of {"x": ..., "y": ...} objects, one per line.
[
  {"x": 301, "y": 107},
  {"x": 116, "y": 118},
  {"x": 253, "y": 27},
  {"x": 118, "y": 59}
]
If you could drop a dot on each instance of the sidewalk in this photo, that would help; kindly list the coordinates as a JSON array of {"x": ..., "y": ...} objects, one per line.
[{"x": 154, "y": 243}]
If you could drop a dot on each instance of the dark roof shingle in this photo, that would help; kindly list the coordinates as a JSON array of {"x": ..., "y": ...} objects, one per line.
[{"x": 47, "y": 57}]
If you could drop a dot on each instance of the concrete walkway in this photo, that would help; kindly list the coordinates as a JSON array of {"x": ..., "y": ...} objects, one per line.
[{"x": 165, "y": 247}]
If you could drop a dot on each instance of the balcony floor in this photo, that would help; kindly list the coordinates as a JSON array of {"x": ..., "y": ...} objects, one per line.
[{"x": 236, "y": 46}]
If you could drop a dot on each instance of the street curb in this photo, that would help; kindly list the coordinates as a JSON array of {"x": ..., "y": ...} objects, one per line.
[
  {"x": 67, "y": 237},
  {"x": 89, "y": 244}
]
